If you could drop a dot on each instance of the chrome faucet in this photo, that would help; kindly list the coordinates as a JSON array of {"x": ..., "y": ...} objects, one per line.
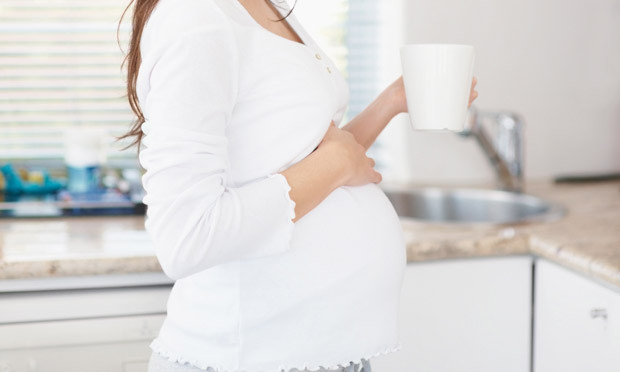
[{"x": 503, "y": 146}]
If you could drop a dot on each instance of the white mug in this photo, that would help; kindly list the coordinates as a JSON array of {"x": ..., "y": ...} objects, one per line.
[{"x": 437, "y": 80}]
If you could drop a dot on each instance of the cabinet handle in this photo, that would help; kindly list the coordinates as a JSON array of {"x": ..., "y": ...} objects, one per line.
[{"x": 598, "y": 313}]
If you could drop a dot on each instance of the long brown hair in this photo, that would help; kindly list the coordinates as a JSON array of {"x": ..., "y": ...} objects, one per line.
[{"x": 141, "y": 12}]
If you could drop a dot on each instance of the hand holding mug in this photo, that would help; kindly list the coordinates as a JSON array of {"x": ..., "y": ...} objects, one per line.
[
  {"x": 396, "y": 91},
  {"x": 439, "y": 83},
  {"x": 473, "y": 94}
]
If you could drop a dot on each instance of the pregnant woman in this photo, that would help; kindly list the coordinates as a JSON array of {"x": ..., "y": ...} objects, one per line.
[{"x": 287, "y": 255}]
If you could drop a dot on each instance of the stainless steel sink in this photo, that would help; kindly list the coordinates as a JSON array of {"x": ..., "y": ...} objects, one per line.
[
  {"x": 500, "y": 135},
  {"x": 472, "y": 206}
]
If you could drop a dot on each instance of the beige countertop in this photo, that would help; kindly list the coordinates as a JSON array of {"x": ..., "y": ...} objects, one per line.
[{"x": 587, "y": 239}]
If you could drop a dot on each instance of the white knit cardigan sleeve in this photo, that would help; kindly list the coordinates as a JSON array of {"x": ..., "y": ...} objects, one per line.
[{"x": 194, "y": 218}]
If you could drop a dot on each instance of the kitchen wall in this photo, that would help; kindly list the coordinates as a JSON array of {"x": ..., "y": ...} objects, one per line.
[{"x": 555, "y": 62}]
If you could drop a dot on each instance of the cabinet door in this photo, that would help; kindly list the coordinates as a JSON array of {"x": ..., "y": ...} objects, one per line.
[
  {"x": 577, "y": 323},
  {"x": 117, "y": 344},
  {"x": 464, "y": 315}
]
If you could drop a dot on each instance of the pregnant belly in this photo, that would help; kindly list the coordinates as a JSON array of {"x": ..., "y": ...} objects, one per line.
[
  {"x": 354, "y": 230},
  {"x": 341, "y": 276},
  {"x": 350, "y": 246}
]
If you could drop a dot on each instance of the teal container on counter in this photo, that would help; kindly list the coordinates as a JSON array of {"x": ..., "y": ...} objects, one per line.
[{"x": 83, "y": 178}]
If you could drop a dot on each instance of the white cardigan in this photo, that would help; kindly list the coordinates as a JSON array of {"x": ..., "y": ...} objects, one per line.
[{"x": 229, "y": 104}]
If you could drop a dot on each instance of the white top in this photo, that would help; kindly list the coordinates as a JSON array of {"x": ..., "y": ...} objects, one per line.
[{"x": 229, "y": 104}]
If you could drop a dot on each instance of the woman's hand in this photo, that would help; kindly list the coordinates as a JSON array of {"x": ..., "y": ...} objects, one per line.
[
  {"x": 473, "y": 93},
  {"x": 396, "y": 91},
  {"x": 358, "y": 168},
  {"x": 339, "y": 160}
]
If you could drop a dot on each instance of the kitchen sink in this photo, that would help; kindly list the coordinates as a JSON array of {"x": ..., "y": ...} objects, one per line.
[{"x": 472, "y": 206}]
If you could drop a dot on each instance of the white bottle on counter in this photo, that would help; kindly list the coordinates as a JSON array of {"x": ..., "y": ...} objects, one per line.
[{"x": 84, "y": 155}]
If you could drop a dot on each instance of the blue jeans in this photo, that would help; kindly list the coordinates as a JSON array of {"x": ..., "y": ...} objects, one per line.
[{"x": 158, "y": 363}]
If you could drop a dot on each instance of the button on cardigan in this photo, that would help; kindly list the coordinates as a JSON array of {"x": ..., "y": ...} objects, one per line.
[{"x": 228, "y": 105}]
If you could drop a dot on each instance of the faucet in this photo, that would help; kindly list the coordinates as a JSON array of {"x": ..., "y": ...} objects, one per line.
[{"x": 503, "y": 147}]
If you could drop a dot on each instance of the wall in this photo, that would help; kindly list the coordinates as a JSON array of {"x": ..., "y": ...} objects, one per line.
[{"x": 555, "y": 62}]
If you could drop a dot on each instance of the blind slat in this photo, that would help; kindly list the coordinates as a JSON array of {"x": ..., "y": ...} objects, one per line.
[
  {"x": 55, "y": 95},
  {"x": 60, "y": 83}
]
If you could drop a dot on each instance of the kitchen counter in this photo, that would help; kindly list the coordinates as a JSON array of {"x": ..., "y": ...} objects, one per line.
[{"x": 587, "y": 239}]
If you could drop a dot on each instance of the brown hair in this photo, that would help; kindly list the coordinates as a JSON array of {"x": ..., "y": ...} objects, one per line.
[{"x": 141, "y": 12}]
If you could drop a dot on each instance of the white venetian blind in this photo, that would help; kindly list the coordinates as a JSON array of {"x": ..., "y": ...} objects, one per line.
[{"x": 60, "y": 66}]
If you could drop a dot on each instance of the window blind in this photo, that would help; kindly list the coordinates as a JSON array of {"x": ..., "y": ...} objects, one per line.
[{"x": 60, "y": 67}]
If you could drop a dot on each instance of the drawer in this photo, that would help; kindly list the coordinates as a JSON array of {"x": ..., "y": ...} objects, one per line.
[{"x": 93, "y": 345}]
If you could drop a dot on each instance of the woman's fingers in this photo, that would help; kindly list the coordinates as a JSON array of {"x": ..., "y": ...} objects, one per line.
[
  {"x": 377, "y": 177},
  {"x": 473, "y": 93},
  {"x": 472, "y": 97}
]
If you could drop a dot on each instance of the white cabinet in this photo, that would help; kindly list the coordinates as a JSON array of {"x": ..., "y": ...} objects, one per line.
[
  {"x": 91, "y": 330},
  {"x": 577, "y": 322},
  {"x": 464, "y": 315},
  {"x": 117, "y": 344}
]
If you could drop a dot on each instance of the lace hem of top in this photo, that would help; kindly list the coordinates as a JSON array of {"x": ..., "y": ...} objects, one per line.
[{"x": 157, "y": 347}]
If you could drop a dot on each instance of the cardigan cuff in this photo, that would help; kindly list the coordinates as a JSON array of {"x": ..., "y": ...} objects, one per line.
[{"x": 287, "y": 189}]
